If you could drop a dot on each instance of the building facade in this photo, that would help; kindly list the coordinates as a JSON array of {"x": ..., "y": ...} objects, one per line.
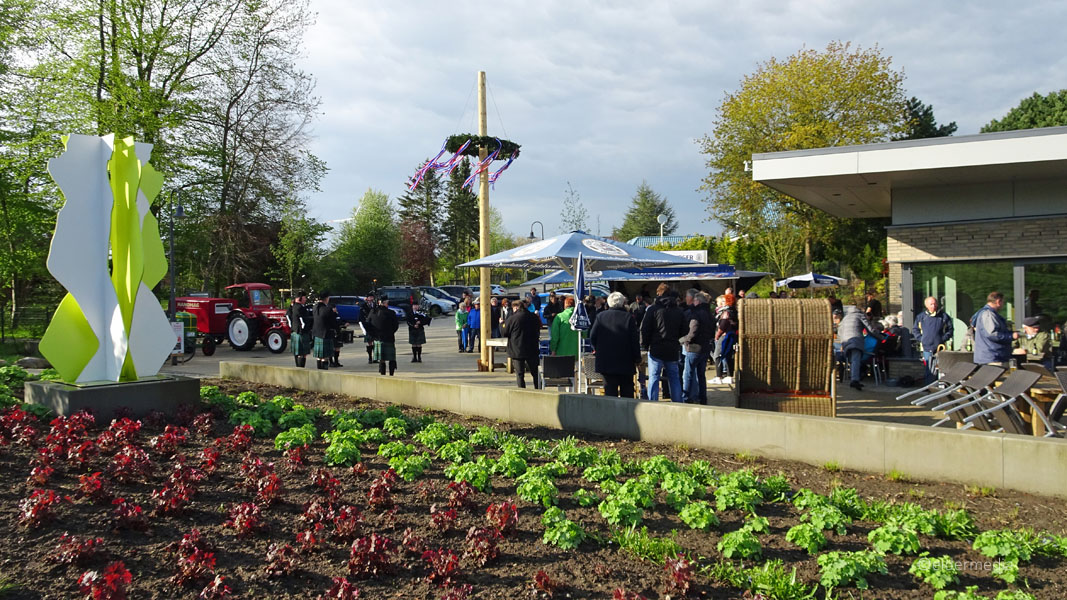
[{"x": 970, "y": 215}]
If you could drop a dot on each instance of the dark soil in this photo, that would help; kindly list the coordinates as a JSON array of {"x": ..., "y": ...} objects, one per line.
[{"x": 592, "y": 571}]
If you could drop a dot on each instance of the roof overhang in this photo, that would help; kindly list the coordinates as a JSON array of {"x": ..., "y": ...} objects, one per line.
[{"x": 858, "y": 181}]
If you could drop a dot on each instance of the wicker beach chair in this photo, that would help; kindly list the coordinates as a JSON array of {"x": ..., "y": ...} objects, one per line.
[{"x": 784, "y": 356}]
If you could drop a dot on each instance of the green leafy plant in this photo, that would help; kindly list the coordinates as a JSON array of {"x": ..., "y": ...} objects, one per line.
[
  {"x": 618, "y": 511},
  {"x": 294, "y": 438},
  {"x": 1004, "y": 544},
  {"x": 434, "y": 435},
  {"x": 971, "y": 593},
  {"x": 396, "y": 449},
  {"x": 248, "y": 398},
  {"x": 729, "y": 497},
  {"x": 680, "y": 488},
  {"x": 343, "y": 448},
  {"x": 702, "y": 471},
  {"x": 848, "y": 501},
  {"x": 699, "y": 515},
  {"x": 535, "y": 486},
  {"x": 772, "y": 581},
  {"x": 569, "y": 452},
  {"x": 458, "y": 451},
  {"x": 955, "y": 525},
  {"x": 559, "y": 531},
  {"x": 638, "y": 491},
  {"x": 261, "y": 424},
  {"x": 396, "y": 428},
  {"x": 843, "y": 568},
  {"x": 658, "y": 467},
  {"x": 740, "y": 544},
  {"x": 296, "y": 418},
  {"x": 807, "y": 536},
  {"x": 602, "y": 472},
  {"x": 894, "y": 537},
  {"x": 827, "y": 517},
  {"x": 586, "y": 498},
  {"x": 510, "y": 464},
  {"x": 774, "y": 488},
  {"x": 937, "y": 573},
  {"x": 485, "y": 437},
  {"x": 475, "y": 473},
  {"x": 410, "y": 467},
  {"x": 757, "y": 524}
]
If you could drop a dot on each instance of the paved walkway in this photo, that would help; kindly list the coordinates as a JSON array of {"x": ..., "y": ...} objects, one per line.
[{"x": 442, "y": 362}]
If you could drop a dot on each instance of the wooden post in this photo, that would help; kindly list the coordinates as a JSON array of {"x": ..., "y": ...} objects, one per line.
[{"x": 483, "y": 236}]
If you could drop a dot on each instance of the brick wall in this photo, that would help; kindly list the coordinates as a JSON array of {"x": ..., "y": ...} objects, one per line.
[{"x": 985, "y": 240}]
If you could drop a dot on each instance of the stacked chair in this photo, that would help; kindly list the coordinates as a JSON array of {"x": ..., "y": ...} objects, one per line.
[
  {"x": 951, "y": 380},
  {"x": 973, "y": 390}
]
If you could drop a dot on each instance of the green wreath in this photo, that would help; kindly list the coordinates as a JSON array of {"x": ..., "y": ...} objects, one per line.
[{"x": 508, "y": 148}]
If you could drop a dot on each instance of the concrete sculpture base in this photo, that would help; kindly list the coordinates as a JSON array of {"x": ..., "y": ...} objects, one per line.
[{"x": 162, "y": 393}]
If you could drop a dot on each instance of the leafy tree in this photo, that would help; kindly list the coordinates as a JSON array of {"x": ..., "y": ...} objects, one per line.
[
  {"x": 367, "y": 247},
  {"x": 299, "y": 247},
  {"x": 641, "y": 218},
  {"x": 813, "y": 99},
  {"x": 1035, "y": 111},
  {"x": 573, "y": 216},
  {"x": 922, "y": 124},
  {"x": 417, "y": 258}
]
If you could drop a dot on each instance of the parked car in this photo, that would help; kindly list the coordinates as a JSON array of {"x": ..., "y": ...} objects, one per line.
[
  {"x": 456, "y": 291},
  {"x": 437, "y": 302},
  {"x": 350, "y": 308}
]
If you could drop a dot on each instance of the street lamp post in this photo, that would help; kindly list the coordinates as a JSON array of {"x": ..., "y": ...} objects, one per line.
[
  {"x": 661, "y": 219},
  {"x": 532, "y": 238}
]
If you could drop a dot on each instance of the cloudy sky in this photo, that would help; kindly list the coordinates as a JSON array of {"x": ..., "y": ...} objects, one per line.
[{"x": 605, "y": 95}]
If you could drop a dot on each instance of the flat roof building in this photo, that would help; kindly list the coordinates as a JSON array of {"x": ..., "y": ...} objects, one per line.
[{"x": 970, "y": 214}]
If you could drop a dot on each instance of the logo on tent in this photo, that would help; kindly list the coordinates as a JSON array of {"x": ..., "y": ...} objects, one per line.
[
  {"x": 603, "y": 247},
  {"x": 533, "y": 248}
]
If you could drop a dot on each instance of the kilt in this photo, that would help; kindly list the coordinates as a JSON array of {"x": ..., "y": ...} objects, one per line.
[
  {"x": 416, "y": 336},
  {"x": 384, "y": 351},
  {"x": 300, "y": 343},
  {"x": 323, "y": 348}
]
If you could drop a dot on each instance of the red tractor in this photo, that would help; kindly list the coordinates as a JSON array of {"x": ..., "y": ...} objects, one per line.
[{"x": 245, "y": 316}]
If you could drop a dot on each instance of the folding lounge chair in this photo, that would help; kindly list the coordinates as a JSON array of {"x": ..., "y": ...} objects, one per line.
[
  {"x": 949, "y": 382},
  {"x": 1037, "y": 368},
  {"x": 1055, "y": 413},
  {"x": 1005, "y": 414},
  {"x": 974, "y": 388},
  {"x": 557, "y": 371}
]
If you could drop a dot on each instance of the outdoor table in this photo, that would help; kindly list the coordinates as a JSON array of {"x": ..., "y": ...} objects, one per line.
[
  {"x": 1043, "y": 393},
  {"x": 493, "y": 344}
]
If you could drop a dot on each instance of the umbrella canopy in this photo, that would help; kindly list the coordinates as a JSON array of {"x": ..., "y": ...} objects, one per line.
[
  {"x": 810, "y": 280},
  {"x": 562, "y": 252},
  {"x": 561, "y": 276},
  {"x": 580, "y": 318}
]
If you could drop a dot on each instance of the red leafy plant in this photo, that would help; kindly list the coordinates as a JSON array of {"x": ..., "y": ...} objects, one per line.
[
  {"x": 244, "y": 519},
  {"x": 155, "y": 419},
  {"x": 281, "y": 561},
  {"x": 168, "y": 442},
  {"x": 241, "y": 439},
  {"x": 191, "y": 542},
  {"x": 171, "y": 499},
  {"x": 39, "y": 508},
  {"x": 546, "y": 584},
  {"x": 425, "y": 490},
  {"x": 347, "y": 523},
  {"x": 444, "y": 566},
  {"x": 294, "y": 459},
  {"x": 442, "y": 519},
  {"x": 412, "y": 543},
  {"x": 380, "y": 495},
  {"x": 128, "y": 515},
  {"x": 504, "y": 517},
  {"x": 309, "y": 539},
  {"x": 204, "y": 424},
  {"x": 459, "y": 592},
  {"x": 216, "y": 590},
  {"x": 194, "y": 568},
  {"x": 95, "y": 488},
  {"x": 621, "y": 594},
  {"x": 317, "y": 511},
  {"x": 82, "y": 454},
  {"x": 209, "y": 459},
  {"x": 481, "y": 545},
  {"x": 72, "y": 549},
  {"x": 269, "y": 489},
  {"x": 125, "y": 431},
  {"x": 129, "y": 464},
  {"x": 19, "y": 425},
  {"x": 369, "y": 556},
  {"x": 40, "y": 475},
  {"x": 342, "y": 589},
  {"x": 679, "y": 576},
  {"x": 253, "y": 469},
  {"x": 359, "y": 469},
  {"x": 460, "y": 496},
  {"x": 111, "y": 585}
]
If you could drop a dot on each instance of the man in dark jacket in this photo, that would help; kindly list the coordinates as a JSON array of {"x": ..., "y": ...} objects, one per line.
[
  {"x": 932, "y": 328},
  {"x": 992, "y": 338},
  {"x": 697, "y": 346},
  {"x": 616, "y": 347},
  {"x": 664, "y": 324},
  {"x": 365, "y": 310},
  {"x": 322, "y": 331},
  {"x": 552, "y": 308},
  {"x": 385, "y": 324},
  {"x": 523, "y": 330},
  {"x": 301, "y": 320}
]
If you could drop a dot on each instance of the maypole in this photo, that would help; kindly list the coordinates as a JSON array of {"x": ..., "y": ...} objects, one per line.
[{"x": 483, "y": 226}]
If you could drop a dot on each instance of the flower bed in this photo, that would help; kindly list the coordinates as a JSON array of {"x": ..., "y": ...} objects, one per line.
[{"x": 284, "y": 494}]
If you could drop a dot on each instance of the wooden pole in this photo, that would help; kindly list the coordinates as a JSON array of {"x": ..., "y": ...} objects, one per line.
[{"x": 483, "y": 237}]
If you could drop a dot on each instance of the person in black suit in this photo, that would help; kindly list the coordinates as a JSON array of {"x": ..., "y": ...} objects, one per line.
[
  {"x": 523, "y": 330},
  {"x": 385, "y": 323},
  {"x": 617, "y": 347},
  {"x": 322, "y": 331}
]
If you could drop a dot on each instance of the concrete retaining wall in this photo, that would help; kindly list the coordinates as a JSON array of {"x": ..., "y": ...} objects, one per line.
[{"x": 978, "y": 458}]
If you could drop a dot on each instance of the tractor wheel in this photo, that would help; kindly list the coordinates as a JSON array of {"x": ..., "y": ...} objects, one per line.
[
  {"x": 275, "y": 341},
  {"x": 242, "y": 332},
  {"x": 435, "y": 311},
  {"x": 208, "y": 345}
]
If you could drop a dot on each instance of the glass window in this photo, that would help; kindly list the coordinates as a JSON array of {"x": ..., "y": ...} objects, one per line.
[
  {"x": 239, "y": 296},
  {"x": 1046, "y": 293},
  {"x": 961, "y": 289}
]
